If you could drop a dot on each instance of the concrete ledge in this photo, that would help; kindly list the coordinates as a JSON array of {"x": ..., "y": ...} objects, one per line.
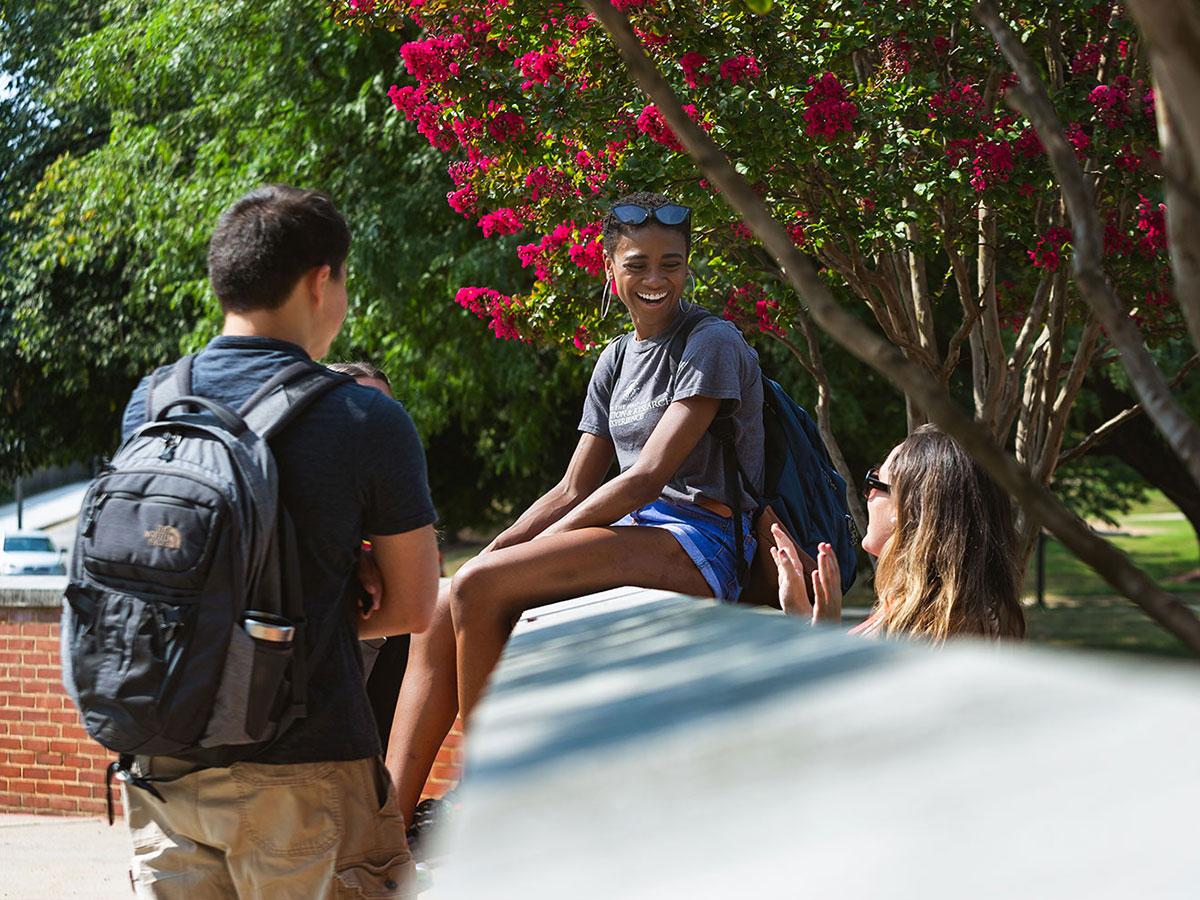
[
  {"x": 684, "y": 749},
  {"x": 32, "y": 591}
]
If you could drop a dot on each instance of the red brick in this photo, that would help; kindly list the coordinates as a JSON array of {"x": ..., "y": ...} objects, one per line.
[
  {"x": 47, "y": 730},
  {"x": 48, "y": 701},
  {"x": 36, "y": 658},
  {"x": 49, "y": 759},
  {"x": 10, "y": 657},
  {"x": 20, "y": 786},
  {"x": 75, "y": 762},
  {"x": 37, "y": 773},
  {"x": 21, "y": 700},
  {"x": 50, "y": 788},
  {"x": 7, "y": 770},
  {"x": 8, "y": 713},
  {"x": 21, "y": 758},
  {"x": 10, "y": 801},
  {"x": 64, "y": 804},
  {"x": 9, "y": 743},
  {"x": 37, "y": 745},
  {"x": 64, "y": 717},
  {"x": 77, "y": 790}
]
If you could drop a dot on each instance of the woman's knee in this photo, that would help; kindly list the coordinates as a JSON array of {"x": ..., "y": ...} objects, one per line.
[{"x": 476, "y": 596}]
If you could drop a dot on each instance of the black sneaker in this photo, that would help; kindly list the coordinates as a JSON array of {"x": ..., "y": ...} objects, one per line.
[{"x": 427, "y": 818}]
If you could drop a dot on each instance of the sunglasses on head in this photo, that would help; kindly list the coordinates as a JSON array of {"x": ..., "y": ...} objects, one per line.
[
  {"x": 636, "y": 214},
  {"x": 872, "y": 483}
]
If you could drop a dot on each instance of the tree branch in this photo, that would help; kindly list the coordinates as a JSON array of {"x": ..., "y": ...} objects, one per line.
[
  {"x": 1101, "y": 434},
  {"x": 1031, "y": 99},
  {"x": 843, "y": 327}
]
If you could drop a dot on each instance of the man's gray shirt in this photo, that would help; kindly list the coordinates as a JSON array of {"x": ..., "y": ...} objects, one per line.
[{"x": 717, "y": 362}]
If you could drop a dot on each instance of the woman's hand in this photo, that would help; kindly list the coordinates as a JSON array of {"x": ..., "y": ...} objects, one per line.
[
  {"x": 795, "y": 575},
  {"x": 827, "y": 587}
]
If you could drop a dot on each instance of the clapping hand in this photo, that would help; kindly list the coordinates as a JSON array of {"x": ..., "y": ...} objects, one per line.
[{"x": 826, "y": 579}]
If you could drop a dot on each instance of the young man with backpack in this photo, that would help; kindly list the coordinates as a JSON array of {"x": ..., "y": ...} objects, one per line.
[{"x": 249, "y": 753}]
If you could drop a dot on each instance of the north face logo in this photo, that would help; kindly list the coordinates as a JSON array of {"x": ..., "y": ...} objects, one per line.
[{"x": 166, "y": 536}]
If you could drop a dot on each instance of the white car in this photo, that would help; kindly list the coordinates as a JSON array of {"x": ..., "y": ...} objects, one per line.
[{"x": 30, "y": 553}]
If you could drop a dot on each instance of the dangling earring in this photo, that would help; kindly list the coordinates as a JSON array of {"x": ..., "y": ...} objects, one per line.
[
  {"x": 606, "y": 300},
  {"x": 691, "y": 289}
]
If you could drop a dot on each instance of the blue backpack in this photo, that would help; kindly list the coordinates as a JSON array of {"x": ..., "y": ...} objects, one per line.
[{"x": 800, "y": 483}]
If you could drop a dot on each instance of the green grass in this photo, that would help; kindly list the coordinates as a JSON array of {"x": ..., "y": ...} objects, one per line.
[
  {"x": 1081, "y": 609},
  {"x": 1165, "y": 549}
]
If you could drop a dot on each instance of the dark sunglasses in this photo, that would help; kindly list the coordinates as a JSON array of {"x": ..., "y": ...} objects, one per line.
[
  {"x": 872, "y": 483},
  {"x": 636, "y": 214}
]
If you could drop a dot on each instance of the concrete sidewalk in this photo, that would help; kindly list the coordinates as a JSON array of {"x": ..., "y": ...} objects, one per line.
[{"x": 51, "y": 857}]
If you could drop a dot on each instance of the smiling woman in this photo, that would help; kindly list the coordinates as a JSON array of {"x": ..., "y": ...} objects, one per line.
[{"x": 664, "y": 522}]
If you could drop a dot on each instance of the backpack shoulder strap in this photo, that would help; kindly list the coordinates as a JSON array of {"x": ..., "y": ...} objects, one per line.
[
  {"x": 286, "y": 395},
  {"x": 168, "y": 384},
  {"x": 679, "y": 342},
  {"x": 619, "y": 357}
]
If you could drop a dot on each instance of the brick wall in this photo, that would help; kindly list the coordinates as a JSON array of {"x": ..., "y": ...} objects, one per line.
[
  {"x": 48, "y": 764},
  {"x": 448, "y": 767}
]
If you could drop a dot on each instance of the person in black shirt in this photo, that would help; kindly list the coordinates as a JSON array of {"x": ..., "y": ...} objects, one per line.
[{"x": 315, "y": 814}]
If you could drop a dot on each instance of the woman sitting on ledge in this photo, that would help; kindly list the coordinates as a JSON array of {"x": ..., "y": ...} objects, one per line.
[
  {"x": 663, "y": 522},
  {"x": 943, "y": 532}
]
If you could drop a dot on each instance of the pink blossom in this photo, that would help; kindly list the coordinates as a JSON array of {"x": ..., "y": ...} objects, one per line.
[
  {"x": 651, "y": 123},
  {"x": 539, "y": 66},
  {"x": 505, "y": 126},
  {"x": 1148, "y": 104},
  {"x": 895, "y": 56},
  {"x": 1111, "y": 105},
  {"x": 749, "y": 306},
  {"x": 489, "y": 304},
  {"x": 627, "y": 5},
  {"x": 651, "y": 39},
  {"x": 1026, "y": 190},
  {"x": 502, "y": 221},
  {"x": 412, "y": 102},
  {"x": 1152, "y": 223},
  {"x": 588, "y": 251},
  {"x": 741, "y": 231},
  {"x": 432, "y": 60},
  {"x": 543, "y": 182},
  {"x": 993, "y": 164},
  {"x": 1086, "y": 59},
  {"x": 581, "y": 339},
  {"x": 796, "y": 229},
  {"x": 1078, "y": 139},
  {"x": 740, "y": 68},
  {"x": 961, "y": 100},
  {"x": 691, "y": 63},
  {"x": 1127, "y": 159},
  {"x": 1027, "y": 144},
  {"x": 1116, "y": 241},
  {"x": 463, "y": 200},
  {"x": 827, "y": 112},
  {"x": 1047, "y": 254}
]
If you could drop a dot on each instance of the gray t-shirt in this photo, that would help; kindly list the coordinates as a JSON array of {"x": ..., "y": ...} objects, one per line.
[{"x": 717, "y": 362}]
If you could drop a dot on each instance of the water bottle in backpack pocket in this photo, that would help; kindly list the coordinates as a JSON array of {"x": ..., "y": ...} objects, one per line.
[{"x": 183, "y": 623}]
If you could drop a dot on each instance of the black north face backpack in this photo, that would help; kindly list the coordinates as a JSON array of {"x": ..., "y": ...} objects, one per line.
[{"x": 183, "y": 630}]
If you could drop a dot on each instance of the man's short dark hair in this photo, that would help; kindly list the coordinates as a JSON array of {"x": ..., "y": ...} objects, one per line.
[{"x": 270, "y": 238}]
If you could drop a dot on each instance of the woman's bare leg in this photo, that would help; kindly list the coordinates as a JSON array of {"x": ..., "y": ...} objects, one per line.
[
  {"x": 489, "y": 594},
  {"x": 426, "y": 707}
]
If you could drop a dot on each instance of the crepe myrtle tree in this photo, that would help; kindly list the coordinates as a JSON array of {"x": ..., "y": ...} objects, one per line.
[{"x": 879, "y": 132}]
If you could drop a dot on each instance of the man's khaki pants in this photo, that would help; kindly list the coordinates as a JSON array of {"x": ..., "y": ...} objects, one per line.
[{"x": 307, "y": 831}]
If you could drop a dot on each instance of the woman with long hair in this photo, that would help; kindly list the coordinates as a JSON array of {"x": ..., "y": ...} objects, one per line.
[
  {"x": 943, "y": 531},
  {"x": 663, "y": 522}
]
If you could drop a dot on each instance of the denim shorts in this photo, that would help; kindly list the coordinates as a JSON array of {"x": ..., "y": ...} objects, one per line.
[{"x": 706, "y": 537}]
